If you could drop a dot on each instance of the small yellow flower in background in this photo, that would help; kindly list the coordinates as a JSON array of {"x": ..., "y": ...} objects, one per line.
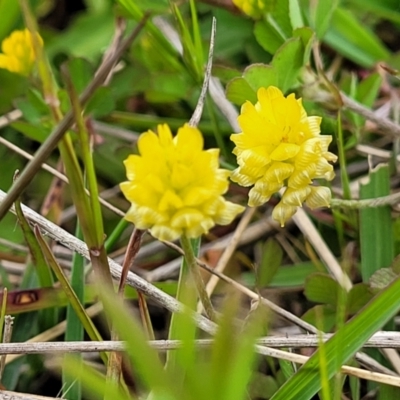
[
  {"x": 281, "y": 147},
  {"x": 175, "y": 187},
  {"x": 252, "y": 8},
  {"x": 18, "y": 52}
]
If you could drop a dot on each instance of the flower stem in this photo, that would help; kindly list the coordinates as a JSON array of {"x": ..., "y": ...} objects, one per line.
[
  {"x": 389, "y": 200},
  {"x": 195, "y": 272}
]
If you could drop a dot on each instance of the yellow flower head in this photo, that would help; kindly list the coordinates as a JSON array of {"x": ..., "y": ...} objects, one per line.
[
  {"x": 281, "y": 147},
  {"x": 18, "y": 52},
  {"x": 175, "y": 187},
  {"x": 252, "y": 8}
]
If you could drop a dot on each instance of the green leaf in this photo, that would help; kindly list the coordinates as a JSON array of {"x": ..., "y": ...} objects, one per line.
[
  {"x": 328, "y": 313},
  {"x": 268, "y": 37},
  {"x": 233, "y": 356},
  {"x": 368, "y": 89},
  {"x": 376, "y": 233},
  {"x": 358, "y": 297},
  {"x": 385, "y": 9},
  {"x": 365, "y": 92},
  {"x": 33, "y": 132},
  {"x": 101, "y": 103},
  {"x": 10, "y": 12},
  {"x": 287, "y": 63},
  {"x": 381, "y": 279},
  {"x": 286, "y": 276},
  {"x": 262, "y": 386},
  {"x": 145, "y": 360},
  {"x": 296, "y": 17},
  {"x": 260, "y": 75},
  {"x": 37, "y": 258},
  {"x": 321, "y": 12},
  {"x": 272, "y": 255},
  {"x": 238, "y": 91},
  {"x": 94, "y": 383},
  {"x": 306, "y": 382},
  {"x": 307, "y": 37},
  {"x": 354, "y": 40},
  {"x": 33, "y": 108},
  {"x": 81, "y": 72},
  {"x": 282, "y": 72},
  {"x": 87, "y": 36},
  {"x": 280, "y": 18},
  {"x": 321, "y": 288}
]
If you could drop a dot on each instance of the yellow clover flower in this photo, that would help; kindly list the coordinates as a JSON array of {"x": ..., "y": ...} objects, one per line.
[
  {"x": 18, "y": 52},
  {"x": 175, "y": 187},
  {"x": 281, "y": 147},
  {"x": 252, "y": 8}
]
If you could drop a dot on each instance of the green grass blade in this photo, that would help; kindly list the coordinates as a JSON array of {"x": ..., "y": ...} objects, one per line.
[
  {"x": 74, "y": 301},
  {"x": 145, "y": 361},
  {"x": 92, "y": 381},
  {"x": 307, "y": 382},
  {"x": 74, "y": 330},
  {"x": 43, "y": 271},
  {"x": 95, "y": 216},
  {"x": 179, "y": 362},
  {"x": 354, "y": 40},
  {"x": 376, "y": 231}
]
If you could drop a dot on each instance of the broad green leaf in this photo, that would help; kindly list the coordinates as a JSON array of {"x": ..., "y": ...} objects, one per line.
[
  {"x": 287, "y": 63},
  {"x": 326, "y": 322},
  {"x": 238, "y": 91},
  {"x": 358, "y": 297},
  {"x": 260, "y": 75},
  {"x": 87, "y": 36},
  {"x": 376, "y": 233},
  {"x": 268, "y": 37},
  {"x": 307, "y": 37},
  {"x": 101, "y": 103},
  {"x": 81, "y": 72},
  {"x": 37, "y": 133},
  {"x": 10, "y": 13},
  {"x": 282, "y": 72},
  {"x": 279, "y": 17},
  {"x": 381, "y": 309},
  {"x": 33, "y": 108},
  {"x": 262, "y": 386},
  {"x": 225, "y": 73},
  {"x": 321, "y": 288}
]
